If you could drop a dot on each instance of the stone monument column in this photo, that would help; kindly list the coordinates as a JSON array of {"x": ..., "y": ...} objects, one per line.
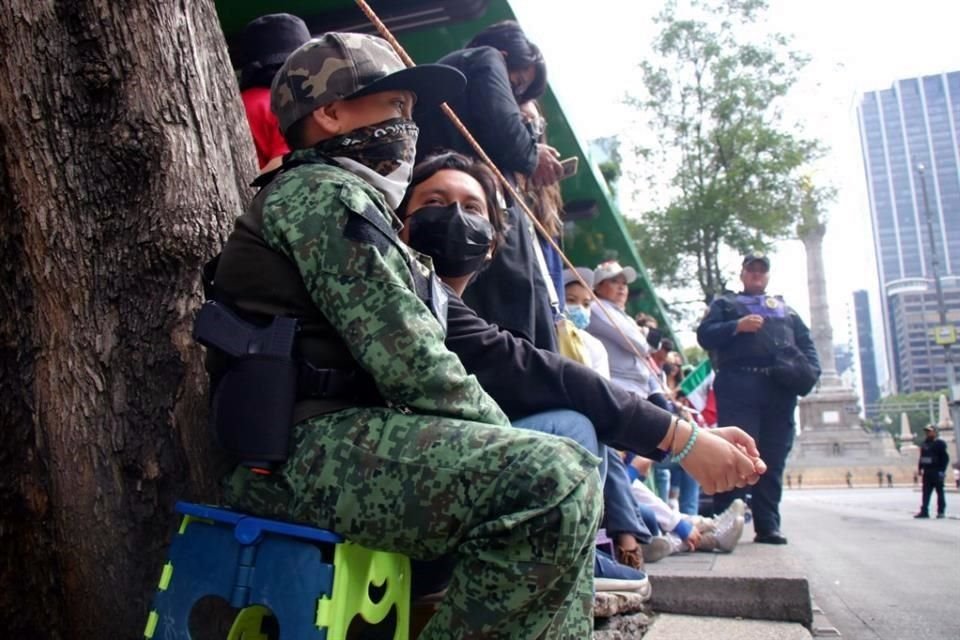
[
  {"x": 831, "y": 432},
  {"x": 820, "y": 328}
]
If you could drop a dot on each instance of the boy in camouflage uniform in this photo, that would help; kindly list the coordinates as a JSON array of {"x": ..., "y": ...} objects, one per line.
[{"x": 427, "y": 468}]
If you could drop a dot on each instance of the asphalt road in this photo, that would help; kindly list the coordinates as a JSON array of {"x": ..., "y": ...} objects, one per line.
[{"x": 877, "y": 573}]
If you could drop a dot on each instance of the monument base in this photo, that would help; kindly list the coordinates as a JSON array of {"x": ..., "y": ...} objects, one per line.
[{"x": 831, "y": 433}]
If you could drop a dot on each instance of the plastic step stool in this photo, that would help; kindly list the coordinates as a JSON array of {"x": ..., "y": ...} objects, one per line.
[{"x": 311, "y": 580}]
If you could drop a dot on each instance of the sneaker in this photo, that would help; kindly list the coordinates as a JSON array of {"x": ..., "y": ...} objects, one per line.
[
  {"x": 737, "y": 508},
  {"x": 608, "y": 575},
  {"x": 723, "y": 539},
  {"x": 658, "y": 548},
  {"x": 678, "y": 544},
  {"x": 922, "y": 514},
  {"x": 702, "y": 524},
  {"x": 941, "y": 516}
]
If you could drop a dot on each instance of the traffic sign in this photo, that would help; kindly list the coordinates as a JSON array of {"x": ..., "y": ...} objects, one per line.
[{"x": 945, "y": 334}]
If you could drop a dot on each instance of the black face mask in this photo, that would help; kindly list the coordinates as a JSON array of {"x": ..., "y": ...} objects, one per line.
[{"x": 458, "y": 242}]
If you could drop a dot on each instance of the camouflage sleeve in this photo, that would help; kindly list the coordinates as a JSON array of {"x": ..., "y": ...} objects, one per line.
[{"x": 356, "y": 274}]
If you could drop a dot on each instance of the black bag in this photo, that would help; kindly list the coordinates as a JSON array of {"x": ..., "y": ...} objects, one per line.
[{"x": 792, "y": 371}]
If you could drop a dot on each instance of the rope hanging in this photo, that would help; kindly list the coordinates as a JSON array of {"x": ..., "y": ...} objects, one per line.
[{"x": 387, "y": 35}]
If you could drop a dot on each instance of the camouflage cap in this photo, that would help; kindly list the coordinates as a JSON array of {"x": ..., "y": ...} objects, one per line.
[{"x": 336, "y": 66}]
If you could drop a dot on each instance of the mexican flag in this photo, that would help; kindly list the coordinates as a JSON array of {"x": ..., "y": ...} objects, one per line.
[{"x": 698, "y": 389}]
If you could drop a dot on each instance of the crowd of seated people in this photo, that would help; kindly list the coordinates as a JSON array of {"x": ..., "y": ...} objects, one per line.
[{"x": 472, "y": 339}]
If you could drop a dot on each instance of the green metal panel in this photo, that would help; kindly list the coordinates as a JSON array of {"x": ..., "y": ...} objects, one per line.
[{"x": 587, "y": 242}]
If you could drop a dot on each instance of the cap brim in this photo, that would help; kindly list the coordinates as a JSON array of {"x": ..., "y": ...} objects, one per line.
[
  {"x": 630, "y": 274},
  {"x": 432, "y": 83},
  {"x": 585, "y": 273}
]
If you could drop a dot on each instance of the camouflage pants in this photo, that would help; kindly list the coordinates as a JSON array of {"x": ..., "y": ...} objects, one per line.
[{"x": 517, "y": 509}]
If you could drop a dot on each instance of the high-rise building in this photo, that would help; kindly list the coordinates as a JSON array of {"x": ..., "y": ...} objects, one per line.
[
  {"x": 914, "y": 123},
  {"x": 870, "y": 388}
]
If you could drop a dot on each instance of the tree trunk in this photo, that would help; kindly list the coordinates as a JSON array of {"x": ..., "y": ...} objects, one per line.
[{"x": 125, "y": 159}]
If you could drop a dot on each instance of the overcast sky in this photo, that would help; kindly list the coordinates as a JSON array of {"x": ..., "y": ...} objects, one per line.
[{"x": 856, "y": 46}]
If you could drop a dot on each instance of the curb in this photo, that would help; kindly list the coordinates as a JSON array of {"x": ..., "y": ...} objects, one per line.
[{"x": 780, "y": 598}]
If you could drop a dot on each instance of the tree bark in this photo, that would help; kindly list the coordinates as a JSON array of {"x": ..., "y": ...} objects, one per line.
[{"x": 125, "y": 159}]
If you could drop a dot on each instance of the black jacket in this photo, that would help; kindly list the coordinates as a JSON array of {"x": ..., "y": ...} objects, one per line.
[
  {"x": 717, "y": 333},
  {"x": 933, "y": 456},
  {"x": 525, "y": 380},
  {"x": 511, "y": 292},
  {"x": 489, "y": 111}
]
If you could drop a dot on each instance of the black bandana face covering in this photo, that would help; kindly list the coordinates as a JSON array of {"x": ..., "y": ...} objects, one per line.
[
  {"x": 458, "y": 242},
  {"x": 382, "y": 154}
]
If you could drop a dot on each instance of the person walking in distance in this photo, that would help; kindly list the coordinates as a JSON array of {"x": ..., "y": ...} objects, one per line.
[{"x": 932, "y": 467}]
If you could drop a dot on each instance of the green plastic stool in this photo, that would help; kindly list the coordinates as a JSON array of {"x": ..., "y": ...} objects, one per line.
[{"x": 309, "y": 583}]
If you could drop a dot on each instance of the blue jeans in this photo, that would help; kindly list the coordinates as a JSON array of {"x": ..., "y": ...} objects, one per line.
[
  {"x": 661, "y": 480},
  {"x": 649, "y": 518},
  {"x": 569, "y": 424},
  {"x": 620, "y": 511},
  {"x": 689, "y": 490}
]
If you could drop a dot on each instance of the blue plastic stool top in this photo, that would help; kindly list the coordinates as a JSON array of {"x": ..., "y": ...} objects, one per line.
[{"x": 249, "y": 529}]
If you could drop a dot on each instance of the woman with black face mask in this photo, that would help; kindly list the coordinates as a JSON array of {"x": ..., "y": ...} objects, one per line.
[{"x": 451, "y": 213}]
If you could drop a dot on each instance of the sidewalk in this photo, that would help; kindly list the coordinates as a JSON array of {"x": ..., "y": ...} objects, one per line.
[{"x": 757, "y": 592}]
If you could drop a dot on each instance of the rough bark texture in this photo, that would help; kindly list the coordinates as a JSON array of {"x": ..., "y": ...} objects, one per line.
[{"x": 124, "y": 162}]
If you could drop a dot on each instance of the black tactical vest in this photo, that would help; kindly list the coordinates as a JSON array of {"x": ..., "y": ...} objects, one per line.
[
  {"x": 756, "y": 349},
  {"x": 259, "y": 283}
]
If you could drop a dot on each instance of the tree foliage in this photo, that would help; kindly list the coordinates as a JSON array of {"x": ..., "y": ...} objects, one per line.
[
  {"x": 712, "y": 96},
  {"x": 921, "y": 407}
]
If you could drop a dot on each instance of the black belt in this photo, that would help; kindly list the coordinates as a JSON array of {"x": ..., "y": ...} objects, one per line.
[
  {"x": 341, "y": 384},
  {"x": 764, "y": 371}
]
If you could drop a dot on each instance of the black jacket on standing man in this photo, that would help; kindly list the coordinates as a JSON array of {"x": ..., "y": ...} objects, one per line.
[{"x": 933, "y": 459}]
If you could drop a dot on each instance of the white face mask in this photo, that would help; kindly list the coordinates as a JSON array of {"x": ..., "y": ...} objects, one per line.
[{"x": 393, "y": 185}]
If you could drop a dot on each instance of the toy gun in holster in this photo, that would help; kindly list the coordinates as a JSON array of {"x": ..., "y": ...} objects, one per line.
[{"x": 251, "y": 405}]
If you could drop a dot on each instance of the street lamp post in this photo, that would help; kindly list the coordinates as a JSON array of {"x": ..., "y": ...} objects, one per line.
[{"x": 942, "y": 310}]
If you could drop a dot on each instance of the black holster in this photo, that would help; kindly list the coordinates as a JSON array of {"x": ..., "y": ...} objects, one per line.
[{"x": 252, "y": 408}]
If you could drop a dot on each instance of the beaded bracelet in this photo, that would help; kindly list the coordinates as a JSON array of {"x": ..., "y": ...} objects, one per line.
[{"x": 687, "y": 448}]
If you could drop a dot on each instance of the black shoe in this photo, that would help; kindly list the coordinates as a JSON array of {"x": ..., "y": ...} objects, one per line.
[
  {"x": 771, "y": 537},
  {"x": 940, "y": 516},
  {"x": 922, "y": 514}
]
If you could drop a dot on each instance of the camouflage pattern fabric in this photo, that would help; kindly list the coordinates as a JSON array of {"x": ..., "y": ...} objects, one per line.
[
  {"x": 329, "y": 68},
  {"x": 439, "y": 470}
]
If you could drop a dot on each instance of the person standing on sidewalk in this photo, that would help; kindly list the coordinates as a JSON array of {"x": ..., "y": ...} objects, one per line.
[
  {"x": 764, "y": 358},
  {"x": 933, "y": 467}
]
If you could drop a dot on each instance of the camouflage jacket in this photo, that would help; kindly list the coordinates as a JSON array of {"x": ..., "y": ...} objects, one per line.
[{"x": 341, "y": 235}]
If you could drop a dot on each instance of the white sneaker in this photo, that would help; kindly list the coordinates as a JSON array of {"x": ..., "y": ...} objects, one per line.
[
  {"x": 678, "y": 544},
  {"x": 640, "y": 587},
  {"x": 609, "y": 575},
  {"x": 729, "y": 535},
  {"x": 657, "y": 549},
  {"x": 737, "y": 508}
]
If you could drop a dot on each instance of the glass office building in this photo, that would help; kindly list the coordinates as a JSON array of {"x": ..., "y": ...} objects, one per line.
[
  {"x": 915, "y": 123},
  {"x": 870, "y": 386}
]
